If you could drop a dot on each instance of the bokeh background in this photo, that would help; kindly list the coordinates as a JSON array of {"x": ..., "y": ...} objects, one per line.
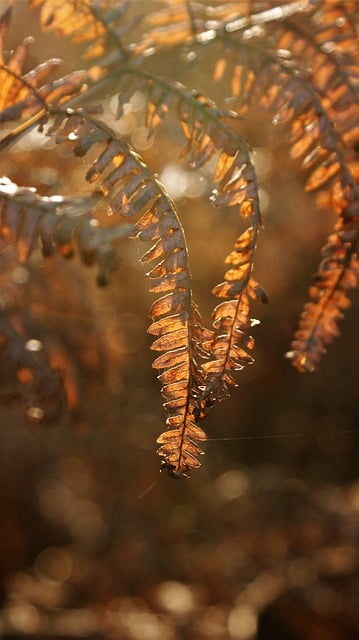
[{"x": 262, "y": 541}]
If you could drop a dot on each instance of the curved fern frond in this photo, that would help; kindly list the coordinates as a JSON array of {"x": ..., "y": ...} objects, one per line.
[
  {"x": 131, "y": 190},
  {"x": 58, "y": 224},
  {"x": 23, "y": 94},
  {"x": 338, "y": 274},
  {"x": 320, "y": 107},
  {"x": 210, "y": 139},
  {"x": 179, "y": 332},
  {"x": 190, "y": 22},
  {"x": 231, "y": 346},
  {"x": 94, "y": 23}
]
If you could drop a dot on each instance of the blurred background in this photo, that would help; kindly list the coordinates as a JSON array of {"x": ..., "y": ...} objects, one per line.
[{"x": 262, "y": 541}]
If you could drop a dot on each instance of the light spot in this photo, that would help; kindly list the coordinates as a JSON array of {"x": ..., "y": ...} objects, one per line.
[
  {"x": 175, "y": 180},
  {"x": 242, "y": 622},
  {"x": 33, "y": 345},
  {"x": 20, "y": 275},
  {"x": 25, "y": 618},
  {"x": 176, "y": 598},
  {"x": 141, "y": 139},
  {"x": 231, "y": 485},
  {"x": 35, "y": 414},
  {"x": 55, "y": 564},
  {"x": 126, "y": 124}
]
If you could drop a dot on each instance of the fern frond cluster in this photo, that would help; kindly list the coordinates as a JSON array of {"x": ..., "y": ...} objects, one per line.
[{"x": 297, "y": 61}]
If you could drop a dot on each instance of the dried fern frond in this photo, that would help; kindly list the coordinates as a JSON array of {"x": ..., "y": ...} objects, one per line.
[
  {"x": 313, "y": 89},
  {"x": 94, "y": 23},
  {"x": 58, "y": 224},
  {"x": 23, "y": 94},
  {"x": 190, "y": 22},
  {"x": 131, "y": 190},
  {"x": 230, "y": 348},
  {"x": 337, "y": 275},
  {"x": 210, "y": 139}
]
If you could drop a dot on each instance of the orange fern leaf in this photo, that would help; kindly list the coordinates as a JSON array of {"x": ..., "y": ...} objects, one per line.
[
  {"x": 58, "y": 224},
  {"x": 313, "y": 88},
  {"x": 338, "y": 274},
  {"x": 209, "y": 138},
  {"x": 84, "y": 22},
  {"x": 131, "y": 190},
  {"x": 231, "y": 345},
  {"x": 23, "y": 94}
]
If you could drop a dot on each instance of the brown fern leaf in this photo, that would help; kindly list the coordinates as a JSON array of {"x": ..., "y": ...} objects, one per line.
[
  {"x": 313, "y": 88},
  {"x": 131, "y": 190},
  {"x": 190, "y": 22},
  {"x": 23, "y": 94},
  {"x": 175, "y": 24},
  {"x": 59, "y": 224},
  {"x": 96, "y": 23},
  {"x": 231, "y": 346},
  {"x": 179, "y": 332},
  {"x": 209, "y": 138},
  {"x": 338, "y": 274},
  {"x": 236, "y": 185}
]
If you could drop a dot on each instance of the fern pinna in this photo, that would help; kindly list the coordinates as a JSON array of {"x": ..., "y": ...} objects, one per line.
[{"x": 298, "y": 61}]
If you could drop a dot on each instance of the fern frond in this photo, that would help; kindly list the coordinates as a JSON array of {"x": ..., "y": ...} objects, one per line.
[
  {"x": 338, "y": 274},
  {"x": 209, "y": 138},
  {"x": 23, "y": 94},
  {"x": 314, "y": 90},
  {"x": 58, "y": 224},
  {"x": 94, "y": 23},
  {"x": 190, "y": 22},
  {"x": 131, "y": 190},
  {"x": 231, "y": 346}
]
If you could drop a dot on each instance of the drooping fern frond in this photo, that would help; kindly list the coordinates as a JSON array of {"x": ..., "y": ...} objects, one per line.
[
  {"x": 337, "y": 275},
  {"x": 23, "y": 94},
  {"x": 312, "y": 87},
  {"x": 58, "y": 224},
  {"x": 209, "y": 139},
  {"x": 131, "y": 190},
  {"x": 231, "y": 347},
  {"x": 296, "y": 60},
  {"x": 96, "y": 24}
]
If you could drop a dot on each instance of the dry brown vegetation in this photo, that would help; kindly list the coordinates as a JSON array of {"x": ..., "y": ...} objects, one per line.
[{"x": 174, "y": 128}]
